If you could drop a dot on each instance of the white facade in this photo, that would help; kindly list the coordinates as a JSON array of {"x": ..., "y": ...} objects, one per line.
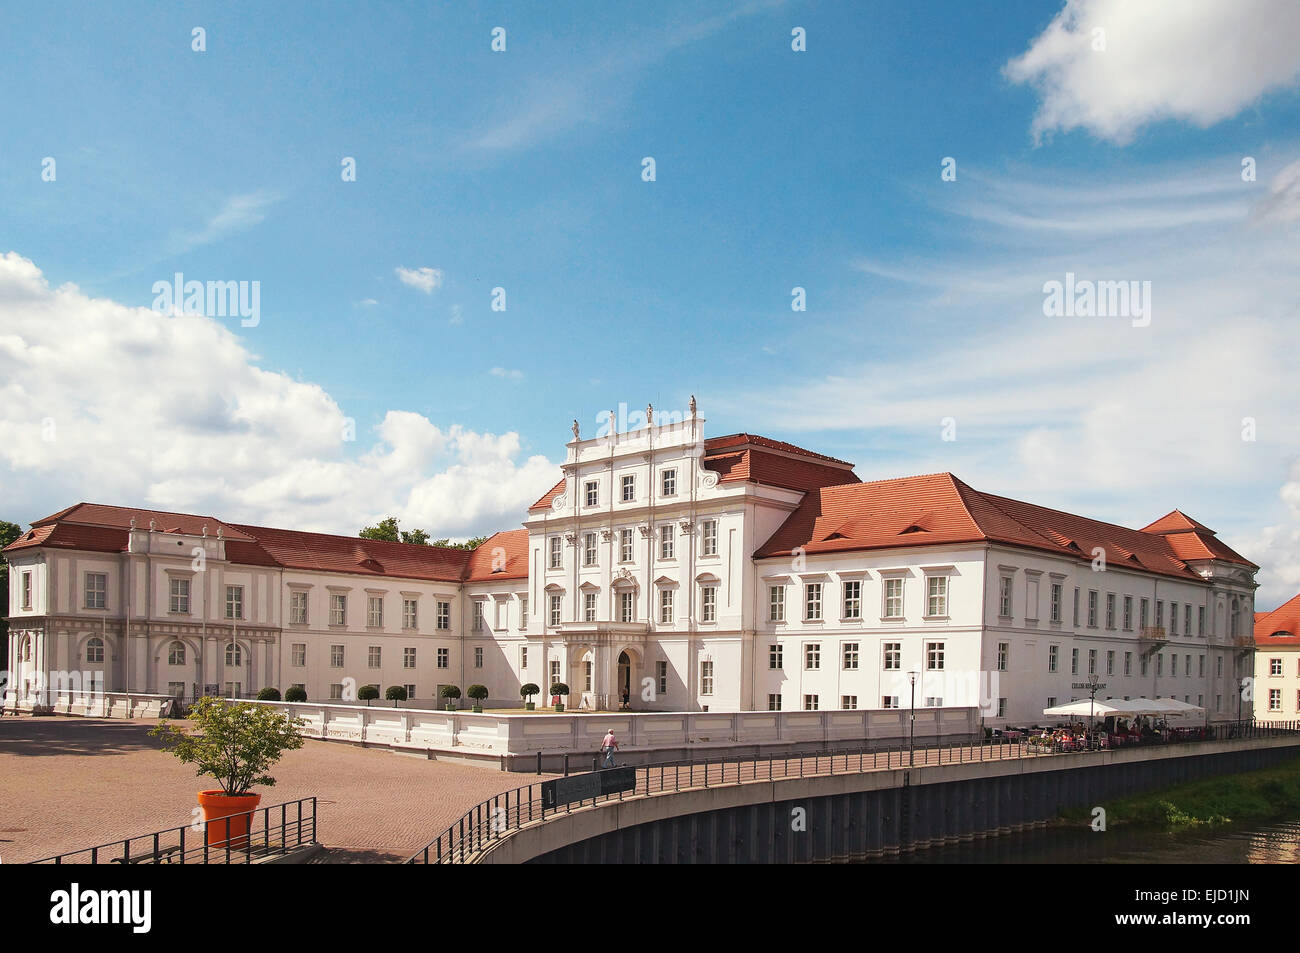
[{"x": 641, "y": 576}]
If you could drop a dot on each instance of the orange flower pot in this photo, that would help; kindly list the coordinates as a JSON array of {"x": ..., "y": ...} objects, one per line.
[{"x": 225, "y": 823}]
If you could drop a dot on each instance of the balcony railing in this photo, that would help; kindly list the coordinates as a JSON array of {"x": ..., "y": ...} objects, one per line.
[{"x": 1154, "y": 633}]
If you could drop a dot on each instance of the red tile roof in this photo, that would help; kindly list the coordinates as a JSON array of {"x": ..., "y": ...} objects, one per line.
[
  {"x": 483, "y": 562},
  {"x": 732, "y": 441},
  {"x": 101, "y": 514},
  {"x": 549, "y": 497},
  {"x": 1285, "y": 618},
  {"x": 939, "y": 509},
  {"x": 295, "y": 549}
]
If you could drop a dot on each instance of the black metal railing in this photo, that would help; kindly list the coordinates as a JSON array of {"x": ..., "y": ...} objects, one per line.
[
  {"x": 237, "y": 839},
  {"x": 501, "y": 814}
]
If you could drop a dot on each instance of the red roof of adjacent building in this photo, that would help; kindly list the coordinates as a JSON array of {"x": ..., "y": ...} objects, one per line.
[
  {"x": 939, "y": 509},
  {"x": 501, "y": 556},
  {"x": 1284, "y": 619}
]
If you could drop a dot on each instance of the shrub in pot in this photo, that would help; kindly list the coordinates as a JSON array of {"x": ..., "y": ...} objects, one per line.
[
  {"x": 396, "y": 693},
  {"x": 451, "y": 693},
  {"x": 235, "y": 743},
  {"x": 527, "y": 691},
  {"x": 478, "y": 693},
  {"x": 559, "y": 690},
  {"x": 367, "y": 693},
  {"x": 269, "y": 694},
  {"x": 295, "y": 694}
]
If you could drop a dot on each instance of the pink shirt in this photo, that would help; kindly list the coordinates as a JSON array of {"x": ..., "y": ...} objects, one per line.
[{"x": 609, "y": 741}]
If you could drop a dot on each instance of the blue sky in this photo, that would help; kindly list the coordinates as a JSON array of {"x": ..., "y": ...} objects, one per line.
[{"x": 522, "y": 169}]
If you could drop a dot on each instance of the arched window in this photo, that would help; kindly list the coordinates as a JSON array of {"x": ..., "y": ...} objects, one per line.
[
  {"x": 234, "y": 656},
  {"x": 176, "y": 653},
  {"x": 95, "y": 650}
]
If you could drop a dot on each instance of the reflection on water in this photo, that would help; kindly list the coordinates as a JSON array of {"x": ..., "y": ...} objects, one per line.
[{"x": 1273, "y": 843}]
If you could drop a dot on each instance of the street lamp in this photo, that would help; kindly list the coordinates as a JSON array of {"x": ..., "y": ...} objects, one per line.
[
  {"x": 1093, "y": 685},
  {"x": 911, "y": 739}
]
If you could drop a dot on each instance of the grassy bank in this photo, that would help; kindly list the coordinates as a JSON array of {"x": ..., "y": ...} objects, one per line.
[{"x": 1231, "y": 798}]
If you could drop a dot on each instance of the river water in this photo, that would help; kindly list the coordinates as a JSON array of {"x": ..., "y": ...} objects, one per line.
[{"x": 1276, "y": 842}]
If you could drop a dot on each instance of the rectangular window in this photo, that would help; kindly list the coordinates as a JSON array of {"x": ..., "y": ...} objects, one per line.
[
  {"x": 774, "y": 702},
  {"x": 1200, "y": 666},
  {"x": 776, "y": 603},
  {"x": 234, "y": 602},
  {"x": 1275, "y": 699},
  {"x": 893, "y": 658},
  {"x": 336, "y": 692},
  {"x": 1200, "y": 621},
  {"x": 96, "y": 589},
  {"x": 1275, "y": 666},
  {"x": 775, "y": 656},
  {"x": 444, "y": 658},
  {"x": 936, "y": 596},
  {"x": 667, "y": 545},
  {"x": 1160, "y": 612},
  {"x": 1128, "y": 663},
  {"x": 1076, "y": 607},
  {"x": 593, "y": 493},
  {"x": 589, "y": 607},
  {"x": 555, "y": 610},
  {"x": 627, "y": 606},
  {"x": 1092, "y": 661},
  {"x": 933, "y": 701},
  {"x": 668, "y": 482},
  {"x": 811, "y": 703},
  {"x": 849, "y": 702},
  {"x": 298, "y": 654},
  {"x": 179, "y": 594},
  {"x": 661, "y": 675},
  {"x": 1187, "y": 619},
  {"x": 629, "y": 489},
  {"x": 375, "y": 656},
  {"x": 1074, "y": 661},
  {"x": 1110, "y": 662},
  {"x": 893, "y": 594},
  {"x": 444, "y": 615},
  {"x": 625, "y": 545},
  {"x": 336, "y": 656},
  {"x": 1053, "y": 658},
  {"x": 889, "y": 701},
  {"x": 27, "y": 593},
  {"x": 408, "y": 657},
  {"x": 1128, "y": 613},
  {"x": 1144, "y": 666},
  {"x": 410, "y": 691},
  {"x": 555, "y": 673},
  {"x": 1173, "y": 618},
  {"x": 853, "y": 599},
  {"x": 1004, "y": 650},
  {"x": 589, "y": 549},
  {"x": 298, "y": 607},
  {"x": 408, "y": 614},
  {"x": 706, "y": 678},
  {"x": 338, "y": 609},
  {"x": 1160, "y": 666},
  {"x": 1143, "y": 613},
  {"x": 812, "y": 656},
  {"x": 1187, "y": 666},
  {"x": 1110, "y": 610},
  {"x": 1092, "y": 608},
  {"x": 557, "y": 552},
  {"x": 710, "y": 541},
  {"x": 375, "y": 611},
  {"x": 1056, "y": 602},
  {"x": 477, "y": 624},
  {"x": 665, "y": 606},
  {"x": 478, "y": 656},
  {"x": 934, "y": 656},
  {"x": 1004, "y": 596},
  {"x": 588, "y": 672},
  {"x": 523, "y": 657},
  {"x": 1002, "y": 708},
  {"x": 523, "y": 612},
  {"x": 850, "y": 652},
  {"x": 812, "y": 601},
  {"x": 709, "y": 604}
]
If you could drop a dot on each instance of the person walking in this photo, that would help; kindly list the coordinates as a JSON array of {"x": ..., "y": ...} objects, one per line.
[{"x": 607, "y": 748}]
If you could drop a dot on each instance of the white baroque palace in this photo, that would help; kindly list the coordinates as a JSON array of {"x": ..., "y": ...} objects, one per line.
[{"x": 693, "y": 573}]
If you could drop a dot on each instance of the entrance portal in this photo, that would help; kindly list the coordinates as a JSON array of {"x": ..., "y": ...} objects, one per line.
[{"x": 624, "y": 681}]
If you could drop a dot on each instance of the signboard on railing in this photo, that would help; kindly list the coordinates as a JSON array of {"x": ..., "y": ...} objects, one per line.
[{"x": 583, "y": 787}]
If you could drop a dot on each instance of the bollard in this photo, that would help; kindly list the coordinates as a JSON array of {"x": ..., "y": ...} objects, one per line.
[{"x": 539, "y": 760}]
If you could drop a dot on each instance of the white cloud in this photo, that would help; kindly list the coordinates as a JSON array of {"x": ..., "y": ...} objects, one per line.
[
  {"x": 426, "y": 279},
  {"x": 1201, "y": 61},
  {"x": 238, "y": 213},
  {"x": 103, "y": 402},
  {"x": 507, "y": 374}
]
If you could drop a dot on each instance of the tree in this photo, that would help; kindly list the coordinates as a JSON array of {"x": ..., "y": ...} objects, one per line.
[
  {"x": 9, "y": 532},
  {"x": 387, "y": 531},
  {"x": 269, "y": 694},
  {"x": 396, "y": 693},
  {"x": 528, "y": 690},
  {"x": 367, "y": 693},
  {"x": 474, "y": 542},
  {"x": 295, "y": 694},
  {"x": 449, "y": 692},
  {"x": 478, "y": 693},
  {"x": 233, "y": 742}
]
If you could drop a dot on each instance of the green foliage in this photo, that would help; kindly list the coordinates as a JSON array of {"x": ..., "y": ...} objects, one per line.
[
  {"x": 269, "y": 694},
  {"x": 559, "y": 688},
  {"x": 295, "y": 694},
  {"x": 449, "y": 691},
  {"x": 234, "y": 743},
  {"x": 528, "y": 690},
  {"x": 396, "y": 693},
  {"x": 367, "y": 693},
  {"x": 474, "y": 542},
  {"x": 477, "y": 692},
  {"x": 9, "y": 533},
  {"x": 387, "y": 531}
]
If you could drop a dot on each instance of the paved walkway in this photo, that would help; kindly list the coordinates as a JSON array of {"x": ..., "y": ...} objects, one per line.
[{"x": 69, "y": 783}]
